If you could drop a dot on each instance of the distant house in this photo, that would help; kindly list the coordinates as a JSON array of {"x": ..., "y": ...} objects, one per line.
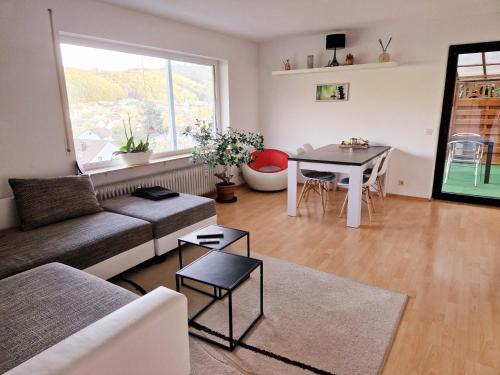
[
  {"x": 94, "y": 150},
  {"x": 96, "y": 134}
]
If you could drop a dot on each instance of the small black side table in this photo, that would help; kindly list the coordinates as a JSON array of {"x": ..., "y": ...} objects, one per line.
[
  {"x": 231, "y": 235},
  {"x": 222, "y": 271}
]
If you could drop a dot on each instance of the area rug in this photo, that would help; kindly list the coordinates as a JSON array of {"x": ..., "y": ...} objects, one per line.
[{"x": 329, "y": 324}]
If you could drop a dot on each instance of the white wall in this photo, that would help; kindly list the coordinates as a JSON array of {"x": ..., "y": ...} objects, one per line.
[
  {"x": 390, "y": 106},
  {"x": 31, "y": 120}
]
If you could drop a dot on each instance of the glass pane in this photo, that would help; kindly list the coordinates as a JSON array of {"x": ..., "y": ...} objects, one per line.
[
  {"x": 493, "y": 69},
  {"x": 107, "y": 88},
  {"x": 472, "y": 165},
  {"x": 193, "y": 97},
  {"x": 470, "y": 71},
  {"x": 470, "y": 58},
  {"x": 492, "y": 57}
]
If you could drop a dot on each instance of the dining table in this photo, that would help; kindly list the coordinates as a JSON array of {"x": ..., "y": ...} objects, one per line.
[{"x": 334, "y": 158}]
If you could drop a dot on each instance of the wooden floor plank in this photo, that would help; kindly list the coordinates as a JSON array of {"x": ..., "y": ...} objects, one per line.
[{"x": 445, "y": 256}]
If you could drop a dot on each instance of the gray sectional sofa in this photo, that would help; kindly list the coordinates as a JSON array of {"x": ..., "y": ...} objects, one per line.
[
  {"x": 129, "y": 231},
  {"x": 170, "y": 218},
  {"x": 59, "y": 292},
  {"x": 57, "y": 319},
  {"x": 80, "y": 242}
]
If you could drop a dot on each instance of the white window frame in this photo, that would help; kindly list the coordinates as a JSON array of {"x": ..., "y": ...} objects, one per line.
[{"x": 86, "y": 41}]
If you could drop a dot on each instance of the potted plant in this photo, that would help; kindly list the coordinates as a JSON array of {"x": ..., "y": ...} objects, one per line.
[
  {"x": 132, "y": 153},
  {"x": 222, "y": 151}
]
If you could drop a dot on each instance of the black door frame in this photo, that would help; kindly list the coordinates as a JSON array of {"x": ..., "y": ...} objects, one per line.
[{"x": 449, "y": 92}]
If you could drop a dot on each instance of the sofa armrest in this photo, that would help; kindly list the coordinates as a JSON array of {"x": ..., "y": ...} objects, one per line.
[{"x": 147, "y": 336}]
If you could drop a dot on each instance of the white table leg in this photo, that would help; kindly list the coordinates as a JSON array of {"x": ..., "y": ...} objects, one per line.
[
  {"x": 355, "y": 195},
  {"x": 292, "y": 188}
]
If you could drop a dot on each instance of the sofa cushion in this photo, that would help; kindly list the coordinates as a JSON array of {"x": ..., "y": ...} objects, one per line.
[
  {"x": 44, "y": 305},
  {"x": 167, "y": 216},
  {"x": 80, "y": 242},
  {"x": 42, "y": 201}
]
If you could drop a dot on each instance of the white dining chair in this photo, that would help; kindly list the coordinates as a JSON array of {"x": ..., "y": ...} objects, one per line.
[
  {"x": 315, "y": 181},
  {"x": 307, "y": 147},
  {"x": 379, "y": 185},
  {"x": 368, "y": 181}
]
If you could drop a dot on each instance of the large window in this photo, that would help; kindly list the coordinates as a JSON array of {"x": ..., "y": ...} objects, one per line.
[{"x": 158, "y": 97}]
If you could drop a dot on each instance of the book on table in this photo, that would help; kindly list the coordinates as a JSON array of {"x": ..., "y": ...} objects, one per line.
[{"x": 154, "y": 193}]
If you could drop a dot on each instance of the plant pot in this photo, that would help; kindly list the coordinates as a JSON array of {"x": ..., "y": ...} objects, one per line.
[
  {"x": 137, "y": 158},
  {"x": 225, "y": 192}
]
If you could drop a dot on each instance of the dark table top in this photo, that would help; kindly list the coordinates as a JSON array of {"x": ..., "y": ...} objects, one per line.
[
  {"x": 333, "y": 154},
  {"x": 223, "y": 270},
  {"x": 230, "y": 235},
  {"x": 485, "y": 140}
]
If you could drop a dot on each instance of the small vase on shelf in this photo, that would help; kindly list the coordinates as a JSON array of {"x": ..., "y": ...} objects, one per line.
[
  {"x": 349, "y": 59},
  {"x": 384, "y": 57}
]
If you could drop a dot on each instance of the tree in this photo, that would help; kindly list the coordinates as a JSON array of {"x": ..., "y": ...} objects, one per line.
[{"x": 152, "y": 118}]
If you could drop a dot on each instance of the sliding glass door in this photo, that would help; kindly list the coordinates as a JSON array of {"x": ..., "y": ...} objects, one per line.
[{"x": 468, "y": 159}]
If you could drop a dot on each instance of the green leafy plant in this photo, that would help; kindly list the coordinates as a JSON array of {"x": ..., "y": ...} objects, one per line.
[
  {"x": 130, "y": 146},
  {"x": 231, "y": 148}
]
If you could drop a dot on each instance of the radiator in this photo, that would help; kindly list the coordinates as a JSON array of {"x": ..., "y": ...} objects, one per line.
[{"x": 196, "y": 180}]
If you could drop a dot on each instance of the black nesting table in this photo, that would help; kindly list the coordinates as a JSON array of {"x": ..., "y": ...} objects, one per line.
[
  {"x": 231, "y": 235},
  {"x": 223, "y": 271}
]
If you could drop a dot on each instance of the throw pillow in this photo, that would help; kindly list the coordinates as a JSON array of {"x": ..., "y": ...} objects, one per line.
[{"x": 43, "y": 201}]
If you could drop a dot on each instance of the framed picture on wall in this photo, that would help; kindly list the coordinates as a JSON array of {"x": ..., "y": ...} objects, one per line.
[{"x": 332, "y": 92}]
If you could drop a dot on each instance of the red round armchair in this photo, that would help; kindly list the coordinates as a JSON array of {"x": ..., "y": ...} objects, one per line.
[{"x": 267, "y": 171}]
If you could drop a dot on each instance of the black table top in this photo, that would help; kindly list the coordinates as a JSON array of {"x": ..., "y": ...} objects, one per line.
[
  {"x": 485, "y": 140},
  {"x": 333, "y": 154},
  {"x": 231, "y": 235},
  {"x": 223, "y": 270}
]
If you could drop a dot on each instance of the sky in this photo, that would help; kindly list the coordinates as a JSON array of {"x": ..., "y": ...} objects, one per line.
[
  {"x": 88, "y": 58},
  {"x": 476, "y": 58}
]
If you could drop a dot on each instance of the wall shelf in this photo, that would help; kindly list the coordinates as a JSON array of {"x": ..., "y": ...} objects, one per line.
[{"x": 332, "y": 69}]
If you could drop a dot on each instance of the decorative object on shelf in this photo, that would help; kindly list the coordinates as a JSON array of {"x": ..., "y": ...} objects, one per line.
[
  {"x": 335, "y": 41},
  {"x": 384, "y": 56},
  {"x": 310, "y": 61},
  {"x": 328, "y": 69},
  {"x": 134, "y": 154},
  {"x": 349, "y": 59},
  {"x": 286, "y": 64},
  {"x": 221, "y": 151},
  {"x": 332, "y": 92},
  {"x": 355, "y": 143}
]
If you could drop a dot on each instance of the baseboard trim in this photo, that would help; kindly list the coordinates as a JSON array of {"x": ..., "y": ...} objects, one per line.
[{"x": 409, "y": 197}]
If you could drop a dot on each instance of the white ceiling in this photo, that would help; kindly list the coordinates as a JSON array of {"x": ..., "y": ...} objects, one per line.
[{"x": 261, "y": 20}]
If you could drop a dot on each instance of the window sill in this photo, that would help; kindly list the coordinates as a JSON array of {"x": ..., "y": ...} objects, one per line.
[{"x": 124, "y": 167}]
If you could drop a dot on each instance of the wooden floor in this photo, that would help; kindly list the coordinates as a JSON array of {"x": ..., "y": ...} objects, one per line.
[{"x": 444, "y": 256}]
